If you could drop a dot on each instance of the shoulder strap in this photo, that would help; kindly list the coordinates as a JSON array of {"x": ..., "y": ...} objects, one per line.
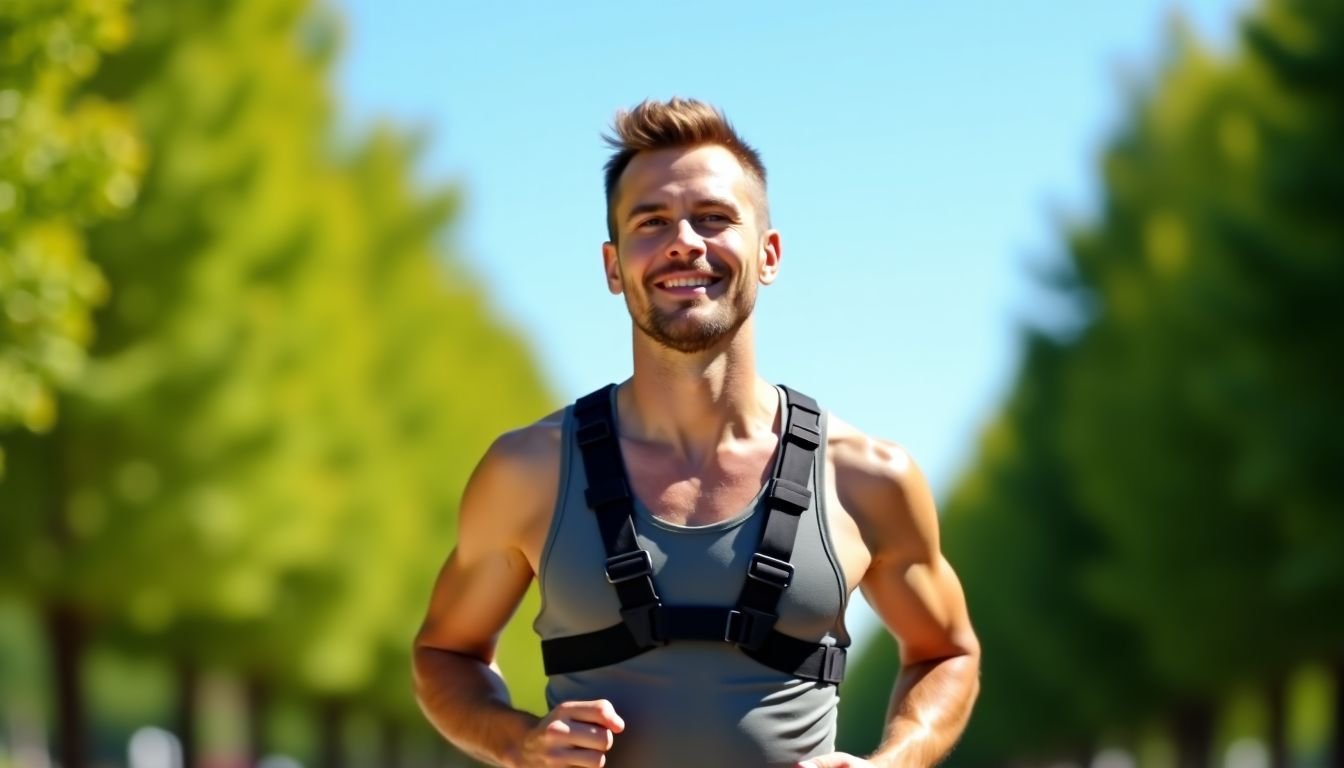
[
  {"x": 628, "y": 568},
  {"x": 769, "y": 572}
]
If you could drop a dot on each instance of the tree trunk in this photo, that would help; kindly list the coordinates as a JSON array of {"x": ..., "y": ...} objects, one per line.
[
  {"x": 66, "y": 637},
  {"x": 1337, "y": 753},
  {"x": 389, "y": 744},
  {"x": 188, "y": 693},
  {"x": 1194, "y": 734},
  {"x": 331, "y": 734},
  {"x": 1276, "y": 696},
  {"x": 1083, "y": 754},
  {"x": 258, "y": 710}
]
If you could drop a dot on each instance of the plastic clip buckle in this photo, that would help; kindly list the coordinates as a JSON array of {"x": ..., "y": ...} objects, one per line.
[
  {"x": 833, "y": 665},
  {"x": 770, "y": 570},
  {"x": 805, "y": 436},
  {"x": 630, "y": 565}
]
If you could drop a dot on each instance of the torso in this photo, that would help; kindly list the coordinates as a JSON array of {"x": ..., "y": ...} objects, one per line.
[{"x": 700, "y": 530}]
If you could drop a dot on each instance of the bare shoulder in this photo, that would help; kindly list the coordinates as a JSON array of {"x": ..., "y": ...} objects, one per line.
[
  {"x": 491, "y": 563},
  {"x": 883, "y": 491},
  {"x": 527, "y": 449},
  {"x": 909, "y": 584},
  {"x": 513, "y": 488}
]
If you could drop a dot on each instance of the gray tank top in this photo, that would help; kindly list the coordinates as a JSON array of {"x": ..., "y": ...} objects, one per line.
[{"x": 705, "y": 704}]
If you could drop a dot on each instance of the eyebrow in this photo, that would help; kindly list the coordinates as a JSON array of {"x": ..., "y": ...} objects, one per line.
[
  {"x": 700, "y": 204},
  {"x": 643, "y": 208}
]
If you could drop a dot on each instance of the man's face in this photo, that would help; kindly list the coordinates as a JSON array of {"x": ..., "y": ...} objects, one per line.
[{"x": 691, "y": 247}]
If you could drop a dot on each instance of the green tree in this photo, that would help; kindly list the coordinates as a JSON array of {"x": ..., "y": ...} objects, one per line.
[
  {"x": 1026, "y": 550},
  {"x": 1200, "y": 409},
  {"x": 259, "y": 466},
  {"x": 169, "y": 427},
  {"x": 1013, "y": 529},
  {"x": 1181, "y": 453},
  {"x": 67, "y": 159}
]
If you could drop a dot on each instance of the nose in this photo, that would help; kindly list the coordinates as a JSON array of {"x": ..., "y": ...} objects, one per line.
[{"x": 687, "y": 244}]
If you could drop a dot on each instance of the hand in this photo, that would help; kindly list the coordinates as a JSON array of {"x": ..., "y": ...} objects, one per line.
[
  {"x": 575, "y": 733},
  {"x": 836, "y": 760}
]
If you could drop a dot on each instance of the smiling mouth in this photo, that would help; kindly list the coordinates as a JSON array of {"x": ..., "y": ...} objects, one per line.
[{"x": 686, "y": 283}]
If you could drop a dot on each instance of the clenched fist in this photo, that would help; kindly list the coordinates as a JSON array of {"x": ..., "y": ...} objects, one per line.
[{"x": 575, "y": 733}]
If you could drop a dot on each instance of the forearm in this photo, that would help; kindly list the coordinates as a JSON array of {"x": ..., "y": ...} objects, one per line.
[
  {"x": 930, "y": 706},
  {"x": 467, "y": 701}
]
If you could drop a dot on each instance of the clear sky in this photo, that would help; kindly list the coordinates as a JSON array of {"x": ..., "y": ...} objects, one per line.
[{"x": 922, "y": 157}]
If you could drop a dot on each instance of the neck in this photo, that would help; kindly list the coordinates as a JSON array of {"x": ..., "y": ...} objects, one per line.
[{"x": 693, "y": 402}]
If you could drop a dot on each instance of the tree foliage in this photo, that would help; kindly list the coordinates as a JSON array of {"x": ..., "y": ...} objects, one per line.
[
  {"x": 67, "y": 160},
  {"x": 1152, "y": 519},
  {"x": 288, "y": 381}
]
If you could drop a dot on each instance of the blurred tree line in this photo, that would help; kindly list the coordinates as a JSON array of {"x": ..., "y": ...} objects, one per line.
[
  {"x": 1151, "y": 535},
  {"x": 242, "y": 377}
]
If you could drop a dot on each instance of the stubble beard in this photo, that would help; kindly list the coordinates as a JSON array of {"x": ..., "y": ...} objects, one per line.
[{"x": 693, "y": 335}]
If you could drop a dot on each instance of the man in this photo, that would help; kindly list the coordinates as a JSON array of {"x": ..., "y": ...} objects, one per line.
[{"x": 696, "y": 532}]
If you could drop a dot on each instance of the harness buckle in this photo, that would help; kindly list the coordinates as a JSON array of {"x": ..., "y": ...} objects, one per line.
[
  {"x": 788, "y": 496},
  {"x": 770, "y": 570},
  {"x": 630, "y": 565},
  {"x": 592, "y": 432},
  {"x": 804, "y": 436},
  {"x": 833, "y": 665}
]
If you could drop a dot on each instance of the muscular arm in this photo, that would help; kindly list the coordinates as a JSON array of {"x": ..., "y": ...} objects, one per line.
[
  {"x": 457, "y": 683},
  {"x": 917, "y": 596}
]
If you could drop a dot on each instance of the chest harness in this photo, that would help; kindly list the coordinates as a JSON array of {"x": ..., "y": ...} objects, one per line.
[{"x": 646, "y": 622}]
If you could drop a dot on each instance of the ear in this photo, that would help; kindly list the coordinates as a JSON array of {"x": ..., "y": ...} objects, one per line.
[
  {"x": 771, "y": 252},
  {"x": 612, "y": 266}
]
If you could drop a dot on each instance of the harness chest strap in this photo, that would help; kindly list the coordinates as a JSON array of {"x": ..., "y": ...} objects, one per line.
[{"x": 645, "y": 622}]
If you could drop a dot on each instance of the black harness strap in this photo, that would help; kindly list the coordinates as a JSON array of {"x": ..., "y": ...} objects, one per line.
[
  {"x": 769, "y": 573},
  {"x": 807, "y": 660},
  {"x": 628, "y": 567},
  {"x": 647, "y": 623}
]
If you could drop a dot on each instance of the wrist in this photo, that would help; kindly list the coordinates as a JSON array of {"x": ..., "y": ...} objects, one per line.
[{"x": 510, "y": 753}]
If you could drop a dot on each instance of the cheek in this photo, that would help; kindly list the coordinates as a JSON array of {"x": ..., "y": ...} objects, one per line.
[{"x": 637, "y": 258}]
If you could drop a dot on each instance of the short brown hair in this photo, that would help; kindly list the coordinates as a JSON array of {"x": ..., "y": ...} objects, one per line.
[{"x": 673, "y": 124}]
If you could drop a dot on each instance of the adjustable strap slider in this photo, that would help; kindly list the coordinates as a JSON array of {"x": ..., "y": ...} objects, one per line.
[
  {"x": 748, "y": 627},
  {"x": 630, "y": 565},
  {"x": 788, "y": 496},
  {"x": 771, "y": 570},
  {"x": 593, "y": 432},
  {"x": 833, "y": 665},
  {"x": 804, "y": 436}
]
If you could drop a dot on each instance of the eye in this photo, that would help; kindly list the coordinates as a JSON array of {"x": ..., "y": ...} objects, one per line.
[{"x": 649, "y": 223}]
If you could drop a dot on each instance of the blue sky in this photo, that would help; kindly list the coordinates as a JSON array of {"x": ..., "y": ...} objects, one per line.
[{"x": 922, "y": 157}]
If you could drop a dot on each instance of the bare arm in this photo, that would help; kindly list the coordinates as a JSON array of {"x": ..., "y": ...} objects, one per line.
[
  {"x": 917, "y": 596},
  {"x": 457, "y": 683},
  {"x": 931, "y": 702}
]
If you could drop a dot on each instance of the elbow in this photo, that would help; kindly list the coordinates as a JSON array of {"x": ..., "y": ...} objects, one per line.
[
  {"x": 421, "y": 665},
  {"x": 428, "y": 663},
  {"x": 964, "y": 643}
]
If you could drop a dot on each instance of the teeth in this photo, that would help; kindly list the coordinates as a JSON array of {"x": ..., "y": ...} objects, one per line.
[{"x": 688, "y": 282}]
